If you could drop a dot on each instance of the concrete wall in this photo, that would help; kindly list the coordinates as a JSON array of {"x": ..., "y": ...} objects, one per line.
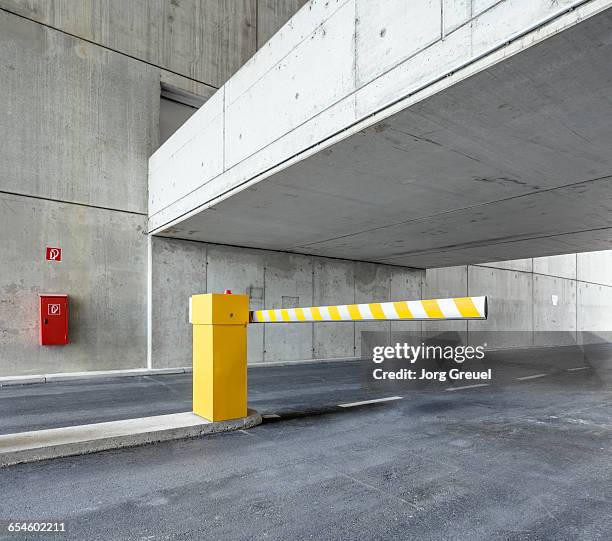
[
  {"x": 80, "y": 86},
  {"x": 542, "y": 301},
  {"x": 205, "y": 41},
  {"x": 69, "y": 177},
  {"x": 522, "y": 310},
  {"x": 272, "y": 280},
  {"x": 103, "y": 270}
]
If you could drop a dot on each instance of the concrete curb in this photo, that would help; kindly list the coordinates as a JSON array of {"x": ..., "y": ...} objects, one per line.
[
  {"x": 84, "y": 439},
  {"x": 5, "y": 381},
  {"x": 21, "y": 380},
  {"x": 304, "y": 361}
]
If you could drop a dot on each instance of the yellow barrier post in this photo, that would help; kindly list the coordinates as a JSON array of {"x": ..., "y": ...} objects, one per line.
[{"x": 219, "y": 355}]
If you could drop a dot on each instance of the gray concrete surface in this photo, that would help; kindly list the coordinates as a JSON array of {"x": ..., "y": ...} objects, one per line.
[
  {"x": 179, "y": 270},
  {"x": 522, "y": 310},
  {"x": 272, "y": 15},
  {"x": 445, "y": 283},
  {"x": 202, "y": 42},
  {"x": 562, "y": 266},
  {"x": 522, "y": 459},
  {"x": 103, "y": 271},
  {"x": 60, "y": 442},
  {"x": 554, "y": 310},
  {"x": 593, "y": 310},
  {"x": 272, "y": 280},
  {"x": 161, "y": 33},
  {"x": 411, "y": 147},
  {"x": 333, "y": 280},
  {"x": 61, "y": 146},
  {"x": 79, "y": 123},
  {"x": 594, "y": 267},
  {"x": 80, "y": 114},
  {"x": 510, "y": 306}
]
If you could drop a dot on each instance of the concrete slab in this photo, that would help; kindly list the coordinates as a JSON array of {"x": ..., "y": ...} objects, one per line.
[
  {"x": 554, "y": 311},
  {"x": 594, "y": 313},
  {"x": 288, "y": 283},
  {"x": 595, "y": 267},
  {"x": 191, "y": 34},
  {"x": 333, "y": 281},
  {"x": 432, "y": 150},
  {"x": 84, "y": 439},
  {"x": 405, "y": 284},
  {"x": 510, "y": 321},
  {"x": 73, "y": 75},
  {"x": 440, "y": 284},
  {"x": 272, "y": 15},
  {"x": 106, "y": 287},
  {"x": 371, "y": 282},
  {"x": 178, "y": 267},
  {"x": 562, "y": 266}
]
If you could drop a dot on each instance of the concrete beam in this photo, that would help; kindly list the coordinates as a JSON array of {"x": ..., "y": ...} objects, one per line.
[{"x": 449, "y": 146}]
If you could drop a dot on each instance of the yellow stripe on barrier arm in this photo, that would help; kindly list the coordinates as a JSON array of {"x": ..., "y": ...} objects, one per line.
[{"x": 422, "y": 310}]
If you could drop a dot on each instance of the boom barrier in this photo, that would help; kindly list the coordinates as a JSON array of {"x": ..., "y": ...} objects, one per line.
[
  {"x": 220, "y": 338},
  {"x": 455, "y": 308}
]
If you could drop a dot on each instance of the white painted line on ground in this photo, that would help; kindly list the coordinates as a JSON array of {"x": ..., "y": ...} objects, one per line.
[
  {"x": 271, "y": 416},
  {"x": 374, "y": 401},
  {"x": 577, "y": 368},
  {"x": 467, "y": 387},
  {"x": 532, "y": 377}
]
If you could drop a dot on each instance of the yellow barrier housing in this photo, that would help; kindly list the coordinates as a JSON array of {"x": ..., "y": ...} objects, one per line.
[{"x": 219, "y": 355}]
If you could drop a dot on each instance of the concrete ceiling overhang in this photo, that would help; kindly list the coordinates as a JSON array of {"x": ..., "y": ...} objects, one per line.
[{"x": 514, "y": 161}]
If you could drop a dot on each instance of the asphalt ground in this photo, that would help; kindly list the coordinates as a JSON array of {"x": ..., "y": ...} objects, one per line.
[{"x": 515, "y": 458}]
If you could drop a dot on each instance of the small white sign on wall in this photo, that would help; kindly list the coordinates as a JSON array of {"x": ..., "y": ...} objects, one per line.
[{"x": 555, "y": 300}]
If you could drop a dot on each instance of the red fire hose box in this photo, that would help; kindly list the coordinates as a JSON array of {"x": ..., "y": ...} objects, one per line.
[{"x": 53, "y": 319}]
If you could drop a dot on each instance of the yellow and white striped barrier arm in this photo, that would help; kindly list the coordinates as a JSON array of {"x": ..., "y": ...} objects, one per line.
[{"x": 457, "y": 308}]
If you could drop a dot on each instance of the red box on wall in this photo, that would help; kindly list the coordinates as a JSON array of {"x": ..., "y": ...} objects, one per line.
[{"x": 53, "y": 319}]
